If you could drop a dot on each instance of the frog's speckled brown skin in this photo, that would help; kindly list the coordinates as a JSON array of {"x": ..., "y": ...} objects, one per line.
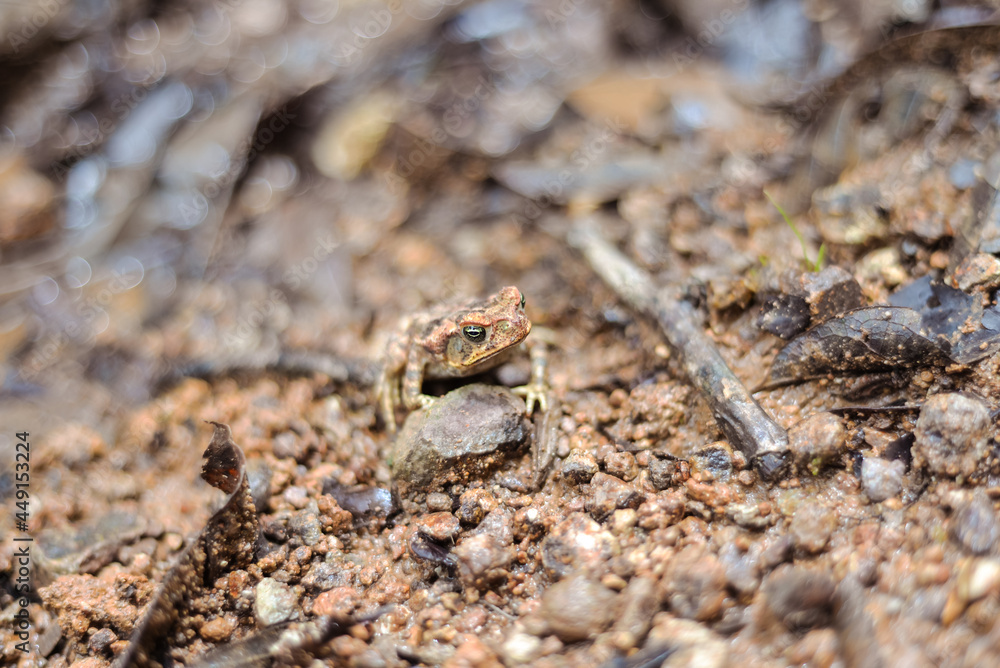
[{"x": 449, "y": 341}]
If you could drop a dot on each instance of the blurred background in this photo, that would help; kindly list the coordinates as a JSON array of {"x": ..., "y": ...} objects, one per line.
[{"x": 188, "y": 182}]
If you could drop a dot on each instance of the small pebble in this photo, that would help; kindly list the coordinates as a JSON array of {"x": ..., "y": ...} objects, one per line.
[
  {"x": 977, "y": 270},
  {"x": 521, "y": 648},
  {"x": 962, "y": 173},
  {"x": 665, "y": 472},
  {"x": 437, "y": 502},
  {"x": 528, "y": 523},
  {"x": 579, "y": 467},
  {"x": 577, "y": 543},
  {"x": 713, "y": 462},
  {"x": 817, "y": 648},
  {"x": 975, "y": 525},
  {"x": 952, "y": 434},
  {"x": 622, "y": 465},
  {"x": 296, "y": 496},
  {"x": 695, "y": 584},
  {"x": 830, "y": 292},
  {"x": 482, "y": 560},
  {"x": 742, "y": 572},
  {"x": 288, "y": 444},
  {"x": 777, "y": 552},
  {"x": 101, "y": 640},
  {"x": 977, "y": 578},
  {"x": 578, "y": 608},
  {"x": 474, "y": 505},
  {"x": 816, "y": 441},
  {"x": 811, "y": 527},
  {"x": 882, "y": 479},
  {"x": 462, "y": 436},
  {"x": 639, "y": 603},
  {"x": 337, "y": 601},
  {"x": 275, "y": 602},
  {"x": 217, "y": 630},
  {"x": 441, "y": 526},
  {"x": 689, "y": 644},
  {"x": 308, "y": 525},
  {"x": 799, "y": 597},
  {"x": 608, "y": 493},
  {"x": 623, "y": 520},
  {"x": 499, "y": 524}
]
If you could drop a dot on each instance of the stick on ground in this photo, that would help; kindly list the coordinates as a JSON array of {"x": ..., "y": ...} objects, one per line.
[{"x": 740, "y": 417}]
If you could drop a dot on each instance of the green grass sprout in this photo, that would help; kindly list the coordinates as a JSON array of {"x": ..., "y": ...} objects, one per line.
[{"x": 820, "y": 258}]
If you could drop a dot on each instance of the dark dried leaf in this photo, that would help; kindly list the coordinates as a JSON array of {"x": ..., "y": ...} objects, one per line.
[
  {"x": 901, "y": 449},
  {"x": 954, "y": 319},
  {"x": 865, "y": 339},
  {"x": 424, "y": 548},
  {"x": 648, "y": 657},
  {"x": 281, "y": 641},
  {"x": 226, "y": 543},
  {"x": 783, "y": 315}
]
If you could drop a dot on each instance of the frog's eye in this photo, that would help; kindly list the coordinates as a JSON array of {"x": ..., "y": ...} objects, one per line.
[
  {"x": 474, "y": 333},
  {"x": 522, "y": 301}
]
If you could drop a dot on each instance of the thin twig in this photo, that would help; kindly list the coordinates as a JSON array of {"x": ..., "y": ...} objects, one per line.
[{"x": 740, "y": 417}]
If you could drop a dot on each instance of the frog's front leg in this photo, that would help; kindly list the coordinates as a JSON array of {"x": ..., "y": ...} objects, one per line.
[
  {"x": 537, "y": 390},
  {"x": 387, "y": 391},
  {"x": 387, "y": 394},
  {"x": 413, "y": 381}
]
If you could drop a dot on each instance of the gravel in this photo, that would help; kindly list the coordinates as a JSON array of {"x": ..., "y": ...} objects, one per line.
[
  {"x": 638, "y": 603},
  {"x": 608, "y": 493},
  {"x": 482, "y": 561},
  {"x": 439, "y": 526},
  {"x": 621, "y": 465},
  {"x": 695, "y": 584}
]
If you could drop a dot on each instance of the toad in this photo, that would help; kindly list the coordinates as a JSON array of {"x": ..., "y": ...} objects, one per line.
[{"x": 456, "y": 341}]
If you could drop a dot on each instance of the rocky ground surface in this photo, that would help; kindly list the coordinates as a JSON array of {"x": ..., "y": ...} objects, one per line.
[{"x": 221, "y": 212}]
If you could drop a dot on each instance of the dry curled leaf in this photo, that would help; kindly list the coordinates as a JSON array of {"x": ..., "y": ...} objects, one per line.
[
  {"x": 292, "y": 643},
  {"x": 865, "y": 339},
  {"x": 226, "y": 543},
  {"x": 925, "y": 324}
]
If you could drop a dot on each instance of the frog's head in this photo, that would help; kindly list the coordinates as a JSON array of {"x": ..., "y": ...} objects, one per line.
[{"x": 485, "y": 331}]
